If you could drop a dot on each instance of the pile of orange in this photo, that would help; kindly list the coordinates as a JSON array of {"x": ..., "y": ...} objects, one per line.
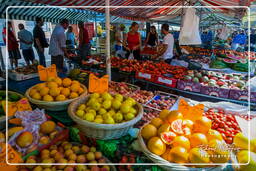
[
  {"x": 56, "y": 89},
  {"x": 181, "y": 140}
]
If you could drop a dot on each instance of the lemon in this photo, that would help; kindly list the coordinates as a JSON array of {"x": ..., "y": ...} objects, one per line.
[
  {"x": 106, "y": 104},
  {"x": 36, "y": 96},
  {"x": 44, "y": 91},
  {"x": 95, "y": 95},
  {"x": 82, "y": 107},
  {"x": 129, "y": 116},
  {"x": 125, "y": 108},
  {"x": 52, "y": 84},
  {"x": 119, "y": 97},
  {"x": 60, "y": 97},
  {"x": 80, "y": 113},
  {"x": 92, "y": 111},
  {"x": 98, "y": 120},
  {"x": 89, "y": 117},
  {"x": 116, "y": 104},
  {"x": 118, "y": 117},
  {"x": 54, "y": 92},
  {"x": 109, "y": 120},
  {"x": 106, "y": 96},
  {"x": 48, "y": 98},
  {"x": 102, "y": 111},
  {"x": 198, "y": 155},
  {"x": 73, "y": 95}
]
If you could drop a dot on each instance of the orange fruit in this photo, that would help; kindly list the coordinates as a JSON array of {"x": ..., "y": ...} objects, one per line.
[
  {"x": 49, "y": 79},
  {"x": 178, "y": 155},
  {"x": 32, "y": 91},
  {"x": 157, "y": 122},
  {"x": 164, "y": 128},
  {"x": 188, "y": 123},
  {"x": 66, "y": 82},
  {"x": 73, "y": 95},
  {"x": 156, "y": 146},
  {"x": 44, "y": 91},
  {"x": 213, "y": 134},
  {"x": 48, "y": 98},
  {"x": 47, "y": 127},
  {"x": 198, "y": 155},
  {"x": 173, "y": 115},
  {"x": 148, "y": 131},
  {"x": 40, "y": 86},
  {"x": 52, "y": 84},
  {"x": 75, "y": 82},
  {"x": 219, "y": 151},
  {"x": 202, "y": 125},
  {"x": 167, "y": 137},
  {"x": 176, "y": 126},
  {"x": 187, "y": 132},
  {"x": 36, "y": 96},
  {"x": 181, "y": 141},
  {"x": 65, "y": 92},
  {"x": 54, "y": 92},
  {"x": 166, "y": 154},
  {"x": 24, "y": 139},
  {"x": 74, "y": 87},
  {"x": 197, "y": 139},
  {"x": 163, "y": 114},
  {"x": 80, "y": 91},
  {"x": 60, "y": 98},
  {"x": 58, "y": 81}
]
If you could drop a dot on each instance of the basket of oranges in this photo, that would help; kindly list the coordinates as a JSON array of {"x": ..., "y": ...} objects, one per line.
[
  {"x": 55, "y": 94},
  {"x": 105, "y": 116},
  {"x": 179, "y": 143}
]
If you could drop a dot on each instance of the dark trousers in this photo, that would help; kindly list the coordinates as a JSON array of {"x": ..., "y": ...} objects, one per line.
[
  {"x": 58, "y": 61},
  {"x": 136, "y": 54},
  {"x": 28, "y": 55}
]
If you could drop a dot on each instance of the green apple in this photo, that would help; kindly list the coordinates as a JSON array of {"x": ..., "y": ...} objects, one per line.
[
  {"x": 116, "y": 104},
  {"x": 106, "y": 104},
  {"x": 125, "y": 108}
]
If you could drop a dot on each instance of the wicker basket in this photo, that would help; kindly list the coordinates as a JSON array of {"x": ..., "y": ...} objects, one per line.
[
  {"x": 102, "y": 131},
  {"x": 54, "y": 106},
  {"x": 171, "y": 166}
]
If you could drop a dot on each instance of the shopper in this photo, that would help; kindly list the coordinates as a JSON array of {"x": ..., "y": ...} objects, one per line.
[
  {"x": 238, "y": 40},
  {"x": 57, "y": 48},
  {"x": 152, "y": 37},
  {"x": 12, "y": 46},
  {"x": 165, "y": 50},
  {"x": 119, "y": 40},
  {"x": 26, "y": 42},
  {"x": 40, "y": 42},
  {"x": 132, "y": 41},
  {"x": 71, "y": 38},
  {"x": 84, "y": 41}
]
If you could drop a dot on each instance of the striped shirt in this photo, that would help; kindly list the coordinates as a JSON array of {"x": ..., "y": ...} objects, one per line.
[{"x": 58, "y": 41}]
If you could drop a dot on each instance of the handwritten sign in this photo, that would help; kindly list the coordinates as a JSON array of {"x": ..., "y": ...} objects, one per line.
[
  {"x": 163, "y": 80},
  {"x": 98, "y": 85},
  {"x": 23, "y": 105},
  {"x": 13, "y": 107},
  {"x": 45, "y": 73},
  {"x": 13, "y": 157},
  {"x": 190, "y": 112}
]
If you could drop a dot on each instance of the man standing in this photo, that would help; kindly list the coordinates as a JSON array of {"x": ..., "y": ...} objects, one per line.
[
  {"x": 39, "y": 40},
  {"x": 57, "y": 48},
  {"x": 26, "y": 41},
  {"x": 70, "y": 35},
  {"x": 84, "y": 42}
]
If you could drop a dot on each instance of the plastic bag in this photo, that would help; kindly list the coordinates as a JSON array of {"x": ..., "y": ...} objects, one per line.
[{"x": 131, "y": 55}]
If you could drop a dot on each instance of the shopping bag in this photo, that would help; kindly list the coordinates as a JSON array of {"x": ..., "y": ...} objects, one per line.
[{"x": 131, "y": 55}]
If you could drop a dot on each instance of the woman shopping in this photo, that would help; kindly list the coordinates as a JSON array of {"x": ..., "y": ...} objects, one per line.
[
  {"x": 152, "y": 37},
  {"x": 132, "y": 42}
]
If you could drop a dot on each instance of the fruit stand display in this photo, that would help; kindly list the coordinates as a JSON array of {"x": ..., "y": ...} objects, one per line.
[{"x": 23, "y": 73}]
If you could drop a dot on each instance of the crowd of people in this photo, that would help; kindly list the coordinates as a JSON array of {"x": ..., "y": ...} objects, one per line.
[{"x": 61, "y": 42}]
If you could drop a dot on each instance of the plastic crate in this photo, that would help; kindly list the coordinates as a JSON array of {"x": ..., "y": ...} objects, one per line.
[
  {"x": 145, "y": 76},
  {"x": 20, "y": 77}
]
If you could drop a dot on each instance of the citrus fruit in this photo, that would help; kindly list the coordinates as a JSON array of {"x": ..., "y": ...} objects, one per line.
[
  {"x": 125, "y": 108},
  {"x": 80, "y": 90},
  {"x": 148, "y": 131},
  {"x": 164, "y": 128},
  {"x": 49, "y": 79},
  {"x": 188, "y": 123},
  {"x": 89, "y": 117},
  {"x": 157, "y": 122},
  {"x": 44, "y": 91},
  {"x": 119, "y": 97},
  {"x": 173, "y": 115},
  {"x": 167, "y": 137},
  {"x": 33, "y": 91},
  {"x": 75, "y": 87},
  {"x": 219, "y": 151},
  {"x": 60, "y": 98},
  {"x": 102, "y": 111},
  {"x": 96, "y": 106},
  {"x": 73, "y": 95},
  {"x": 54, "y": 92},
  {"x": 80, "y": 113},
  {"x": 202, "y": 125},
  {"x": 52, "y": 84},
  {"x": 40, "y": 86},
  {"x": 58, "y": 80},
  {"x": 24, "y": 139},
  {"x": 181, "y": 141},
  {"x": 242, "y": 141},
  {"x": 178, "y": 155},
  {"x": 213, "y": 134},
  {"x": 198, "y": 155},
  {"x": 156, "y": 146},
  {"x": 116, "y": 104},
  {"x": 36, "y": 96},
  {"x": 197, "y": 139},
  {"x": 106, "y": 104},
  {"x": 66, "y": 82},
  {"x": 48, "y": 98},
  {"x": 98, "y": 120},
  {"x": 166, "y": 154},
  {"x": 245, "y": 156},
  {"x": 187, "y": 132},
  {"x": 118, "y": 117},
  {"x": 47, "y": 127},
  {"x": 106, "y": 96},
  {"x": 176, "y": 126},
  {"x": 65, "y": 92},
  {"x": 95, "y": 95},
  {"x": 75, "y": 82},
  {"x": 163, "y": 114}
]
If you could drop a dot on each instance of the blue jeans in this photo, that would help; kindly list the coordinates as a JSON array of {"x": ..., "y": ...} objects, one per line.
[{"x": 41, "y": 57}]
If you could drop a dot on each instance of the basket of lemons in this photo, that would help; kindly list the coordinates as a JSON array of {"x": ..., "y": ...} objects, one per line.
[
  {"x": 105, "y": 116},
  {"x": 55, "y": 94}
]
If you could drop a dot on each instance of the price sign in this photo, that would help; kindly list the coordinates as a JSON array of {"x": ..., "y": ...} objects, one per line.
[
  {"x": 45, "y": 73},
  {"x": 23, "y": 105},
  {"x": 190, "y": 112},
  {"x": 144, "y": 75},
  {"x": 98, "y": 85},
  {"x": 163, "y": 80}
]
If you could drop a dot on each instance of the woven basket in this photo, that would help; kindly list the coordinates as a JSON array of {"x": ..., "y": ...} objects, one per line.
[
  {"x": 54, "y": 106},
  {"x": 102, "y": 131},
  {"x": 171, "y": 166}
]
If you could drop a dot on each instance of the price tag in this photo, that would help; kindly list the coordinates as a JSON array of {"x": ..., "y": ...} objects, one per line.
[
  {"x": 13, "y": 157},
  {"x": 190, "y": 112},
  {"x": 163, "y": 80},
  {"x": 45, "y": 73},
  {"x": 98, "y": 85},
  {"x": 144, "y": 75},
  {"x": 23, "y": 105}
]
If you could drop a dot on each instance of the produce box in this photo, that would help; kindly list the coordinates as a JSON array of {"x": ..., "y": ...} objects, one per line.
[
  {"x": 215, "y": 91},
  {"x": 122, "y": 88},
  {"x": 20, "y": 77},
  {"x": 167, "y": 81},
  {"x": 238, "y": 95},
  {"x": 145, "y": 76},
  {"x": 149, "y": 114},
  {"x": 189, "y": 86}
]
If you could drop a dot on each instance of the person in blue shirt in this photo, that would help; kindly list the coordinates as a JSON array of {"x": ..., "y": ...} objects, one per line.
[
  {"x": 71, "y": 38},
  {"x": 239, "y": 39}
]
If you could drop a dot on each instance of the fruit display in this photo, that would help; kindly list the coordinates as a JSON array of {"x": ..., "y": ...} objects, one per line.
[
  {"x": 142, "y": 96},
  {"x": 107, "y": 109},
  {"x": 68, "y": 153},
  {"x": 179, "y": 138},
  {"x": 161, "y": 102},
  {"x": 12, "y": 97},
  {"x": 122, "y": 88},
  {"x": 30, "y": 69},
  {"x": 148, "y": 115},
  {"x": 56, "y": 89},
  {"x": 78, "y": 74}
]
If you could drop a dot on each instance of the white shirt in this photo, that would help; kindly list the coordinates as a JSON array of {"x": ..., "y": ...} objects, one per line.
[
  {"x": 169, "y": 41},
  {"x": 58, "y": 41}
]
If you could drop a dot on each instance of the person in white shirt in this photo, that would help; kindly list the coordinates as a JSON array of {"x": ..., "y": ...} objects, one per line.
[
  {"x": 57, "y": 48},
  {"x": 165, "y": 50}
]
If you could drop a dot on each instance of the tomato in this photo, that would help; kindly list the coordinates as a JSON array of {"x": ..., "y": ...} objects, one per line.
[
  {"x": 229, "y": 140},
  {"x": 221, "y": 124}
]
